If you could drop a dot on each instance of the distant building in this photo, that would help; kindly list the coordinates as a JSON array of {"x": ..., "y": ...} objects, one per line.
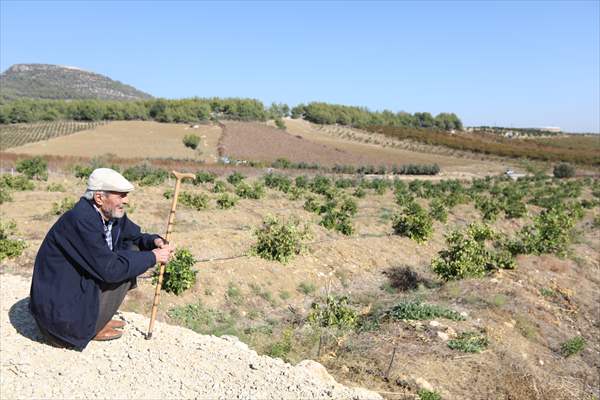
[{"x": 554, "y": 129}]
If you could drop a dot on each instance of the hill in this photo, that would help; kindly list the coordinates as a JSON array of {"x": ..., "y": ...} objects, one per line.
[{"x": 45, "y": 81}]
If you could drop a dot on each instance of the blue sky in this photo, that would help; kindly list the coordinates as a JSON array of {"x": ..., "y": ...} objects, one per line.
[{"x": 506, "y": 63}]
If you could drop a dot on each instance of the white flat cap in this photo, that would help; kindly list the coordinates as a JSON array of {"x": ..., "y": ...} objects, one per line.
[{"x": 109, "y": 180}]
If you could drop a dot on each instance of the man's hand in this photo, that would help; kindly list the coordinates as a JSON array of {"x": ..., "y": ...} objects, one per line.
[
  {"x": 160, "y": 242},
  {"x": 163, "y": 254}
]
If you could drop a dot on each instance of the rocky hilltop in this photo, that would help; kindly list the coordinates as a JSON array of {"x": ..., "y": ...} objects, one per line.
[
  {"x": 177, "y": 363},
  {"x": 45, "y": 81}
]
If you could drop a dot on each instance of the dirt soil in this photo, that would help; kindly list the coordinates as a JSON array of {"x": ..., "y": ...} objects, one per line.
[{"x": 525, "y": 328}]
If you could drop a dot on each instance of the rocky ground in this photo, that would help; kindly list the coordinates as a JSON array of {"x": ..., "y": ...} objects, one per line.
[{"x": 176, "y": 363}]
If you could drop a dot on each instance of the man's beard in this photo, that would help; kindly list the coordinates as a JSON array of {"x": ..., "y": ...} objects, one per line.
[{"x": 114, "y": 213}]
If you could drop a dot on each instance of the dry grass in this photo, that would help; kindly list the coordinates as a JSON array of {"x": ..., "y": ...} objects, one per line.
[{"x": 130, "y": 139}]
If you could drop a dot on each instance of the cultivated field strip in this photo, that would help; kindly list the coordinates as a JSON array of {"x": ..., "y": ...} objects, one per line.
[{"x": 14, "y": 135}]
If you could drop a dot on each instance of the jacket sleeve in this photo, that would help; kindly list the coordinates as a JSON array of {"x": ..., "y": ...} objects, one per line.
[
  {"x": 132, "y": 232},
  {"x": 99, "y": 261}
]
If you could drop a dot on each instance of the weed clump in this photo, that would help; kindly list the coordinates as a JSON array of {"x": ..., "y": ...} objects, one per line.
[
  {"x": 146, "y": 175},
  {"x": 279, "y": 240},
  {"x": 197, "y": 201},
  {"x": 225, "y": 201},
  {"x": 191, "y": 140},
  {"x": 563, "y": 170},
  {"x": 204, "y": 177},
  {"x": 61, "y": 207},
  {"x": 573, "y": 346},
  {"x": 335, "y": 313},
  {"x": 469, "y": 342},
  {"x": 416, "y": 310}
]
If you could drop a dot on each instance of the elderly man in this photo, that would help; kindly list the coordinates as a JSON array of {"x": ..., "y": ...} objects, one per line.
[{"x": 86, "y": 264}]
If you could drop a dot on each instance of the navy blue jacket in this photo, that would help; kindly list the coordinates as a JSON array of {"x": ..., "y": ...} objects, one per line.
[{"x": 73, "y": 261}]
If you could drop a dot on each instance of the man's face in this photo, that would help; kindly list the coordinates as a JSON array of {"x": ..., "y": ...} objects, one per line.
[{"x": 111, "y": 204}]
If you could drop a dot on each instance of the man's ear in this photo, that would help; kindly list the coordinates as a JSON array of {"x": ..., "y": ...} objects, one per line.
[{"x": 98, "y": 198}]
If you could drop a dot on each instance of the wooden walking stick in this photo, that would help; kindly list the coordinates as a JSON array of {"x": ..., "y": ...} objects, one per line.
[{"x": 179, "y": 176}]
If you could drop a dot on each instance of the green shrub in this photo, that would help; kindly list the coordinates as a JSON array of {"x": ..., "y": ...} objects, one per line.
[
  {"x": 320, "y": 184},
  {"x": 279, "y": 182},
  {"x": 204, "y": 177},
  {"x": 198, "y": 201},
  {"x": 9, "y": 247},
  {"x": 281, "y": 348},
  {"x": 279, "y": 123},
  {"x": 168, "y": 194},
  {"x": 469, "y": 342},
  {"x": 61, "y": 207},
  {"x": 204, "y": 320},
  {"x": 55, "y": 187},
  {"x": 179, "y": 275},
  {"x": 438, "y": 210},
  {"x": 413, "y": 222},
  {"x": 563, "y": 170},
  {"x": 335, "y": 313},
  {"x": 549, "y": 233},
  {"x": 146, "y": 175},
  {"x": 235, "y": 178},
  {"x": 306, "y": 287},
  {"x": 191, "y": 140},
  {"x": 416, "y": 310},
  {"x": 83, "y": 171},
  {"x": 33, "y": 168},
  {"x": 225, "y": 201},
  {"x": 490, "y": 207},
  {"x": 359, "y": 193},
  {"x": 425, "y": 394},
  {"x": 468, "y": 256},
  {"x": 5, "y": 195},
  {"x": 302, "y": 181},
  {"x": 219, "y": 187},
  {"x": 572, "y": 346},
  {"x": 16, "y": 182},
  {"x": 234, "y": 294},
  {"x": 245, "y": 191},
  {"x": 279, "y": 240}
]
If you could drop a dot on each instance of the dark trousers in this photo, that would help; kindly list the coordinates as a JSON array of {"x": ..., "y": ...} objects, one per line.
[{"x": 111, "y": 297}]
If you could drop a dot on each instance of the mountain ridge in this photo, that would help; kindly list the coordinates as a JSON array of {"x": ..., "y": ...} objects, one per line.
[{"x": 49, "y": 81}]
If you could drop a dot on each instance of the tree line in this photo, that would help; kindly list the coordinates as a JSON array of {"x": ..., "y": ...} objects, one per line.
[{"x": 204, "y": 109}]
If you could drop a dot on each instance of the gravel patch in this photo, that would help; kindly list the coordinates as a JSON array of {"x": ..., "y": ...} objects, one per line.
[{"x": 176, "y": 363}]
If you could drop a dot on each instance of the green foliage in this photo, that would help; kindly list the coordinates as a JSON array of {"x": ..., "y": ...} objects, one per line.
[
  {"x": 204, "y": 320},
  {"x": 302, "y": 181},
  {"x": 335, "y": 313},
  {"x": 437, "y": 210},
  {"x": 320, "y": 184},
  {"x": 563, "y": 170},
  {"x": 490, "y": 207},
  {"x": 82, "y": 171},
  {"x": 191, "y": 140},
  {"x": 425, "y": 394},
  {"x": 146, "y": 175},
  {"x": 573, "y": 346},
  {"x": 55, "y": 187},
  {"x": 204, "y": 177},
  {"x": 179, "y": 275},
  {"x": 197, "y": 201},
  {"x": 279, "y": 182},
  {"x": 281, "y": 348},
  {"x": 16, "y": 182},
  {"x": 549, "y": 233},
  {"x": 245, "y": 191},
  {"x": 33, "y": 168},
  {"x": 468, "y": 256},
  {"x": 5, "y": 195},
  {"x": 225, "y": 201},
  {"x": 234, "y": 294},
  {"x": 9, "y": 247},
  {"x": 219, "y": 187},
  {"x": 279, "y": 240},
  {"x": 416, "y": 310},
  {"x": 235, "y": 178},
  {"x": 359, "y": 193},
  {"x": 469, "y": 342},
  {"x": 414, "y": 222},
  {"x": 168, "y": 194},
  {"x": 62, "y": 206},
  {"x": 306, "y": 287},
  {"x": 280, "y": 124}
]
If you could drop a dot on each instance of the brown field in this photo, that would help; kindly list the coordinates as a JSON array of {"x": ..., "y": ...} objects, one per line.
[
  {"x": 254, "y": 141},
  {"x": 130, "y": 139},
  {"x": 525, "y": 328}
]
